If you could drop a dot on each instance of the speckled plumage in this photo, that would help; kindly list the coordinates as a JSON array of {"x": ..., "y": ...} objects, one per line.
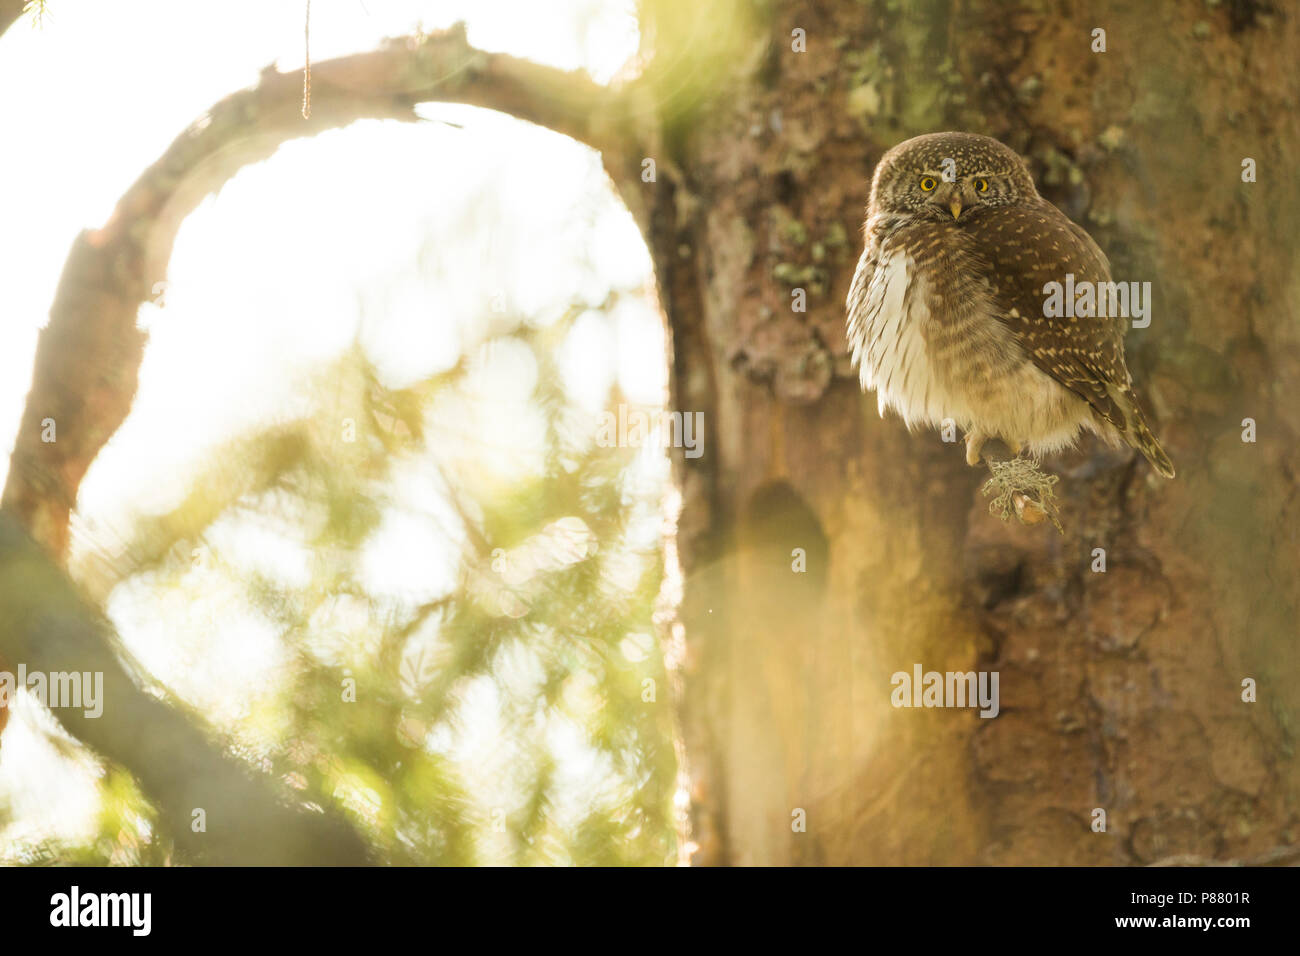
[{"x": 946, "y": 311}]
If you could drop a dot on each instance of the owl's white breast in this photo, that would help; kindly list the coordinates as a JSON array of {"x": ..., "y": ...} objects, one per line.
[
  {"x": 971, "y": 370},
  {"x": 890, "y": 348}
]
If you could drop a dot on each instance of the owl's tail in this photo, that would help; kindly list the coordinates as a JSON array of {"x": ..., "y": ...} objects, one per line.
[{"x": 1138, "y": 434}]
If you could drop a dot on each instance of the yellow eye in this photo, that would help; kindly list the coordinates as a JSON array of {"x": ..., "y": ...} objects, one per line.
[
  {"x": 928, "y": 183},
  {"x": 981, "y": 185}
]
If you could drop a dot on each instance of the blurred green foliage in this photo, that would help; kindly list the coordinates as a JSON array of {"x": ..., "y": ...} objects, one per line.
[{"x": 521, "y": 716}]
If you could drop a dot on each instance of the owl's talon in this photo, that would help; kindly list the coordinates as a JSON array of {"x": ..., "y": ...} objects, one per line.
[{"x": 974, "y": 446}]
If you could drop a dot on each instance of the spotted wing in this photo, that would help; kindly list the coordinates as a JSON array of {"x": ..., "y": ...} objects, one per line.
[{"x": 1028, "y": 247}]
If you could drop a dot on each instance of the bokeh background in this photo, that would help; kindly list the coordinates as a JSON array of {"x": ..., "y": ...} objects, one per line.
[
  {"x": 364, "y": 460},
  {"x": 363, "y": 443}
]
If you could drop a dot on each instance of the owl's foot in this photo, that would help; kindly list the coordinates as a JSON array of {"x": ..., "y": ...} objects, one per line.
[{"x": 975, "y": 441}]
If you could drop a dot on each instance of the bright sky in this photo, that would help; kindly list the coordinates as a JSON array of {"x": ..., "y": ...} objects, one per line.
[{"x": 392, "y": 234}]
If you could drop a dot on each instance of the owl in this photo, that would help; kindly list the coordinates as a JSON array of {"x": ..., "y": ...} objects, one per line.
[{"x": 950, "y": 314}]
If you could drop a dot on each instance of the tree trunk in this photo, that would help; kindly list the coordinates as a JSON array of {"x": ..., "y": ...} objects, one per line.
[{"x": 1121, "y": 690}]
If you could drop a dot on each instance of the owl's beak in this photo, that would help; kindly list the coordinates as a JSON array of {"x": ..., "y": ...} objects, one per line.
[{"x": 955, "y": 206}]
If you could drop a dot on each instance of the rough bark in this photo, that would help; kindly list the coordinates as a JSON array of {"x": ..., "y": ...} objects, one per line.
[{"x": 1120, "y": 690}]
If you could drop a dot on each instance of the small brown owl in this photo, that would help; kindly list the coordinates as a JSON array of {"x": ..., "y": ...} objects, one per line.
[{"x": 949, "y": 314}]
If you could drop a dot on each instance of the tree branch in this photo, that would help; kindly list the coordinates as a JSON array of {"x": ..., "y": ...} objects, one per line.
[
  {"x": 85, "y": 377},
  {"x": 10, "y": 11},
  {"x": 49, "y": 627},
  {"x": 89, "y": 354}
]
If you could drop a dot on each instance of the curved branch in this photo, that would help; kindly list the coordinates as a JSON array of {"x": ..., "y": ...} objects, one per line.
[
  {"x": 89, "y": 354},
  {"x": 85, "y": 377},
  {"x": 48, "y": 626},
  {"x": 10, "y": 11}
]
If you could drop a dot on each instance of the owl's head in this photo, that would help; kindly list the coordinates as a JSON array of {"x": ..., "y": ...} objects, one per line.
[{"x": 949, "y": 176}]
